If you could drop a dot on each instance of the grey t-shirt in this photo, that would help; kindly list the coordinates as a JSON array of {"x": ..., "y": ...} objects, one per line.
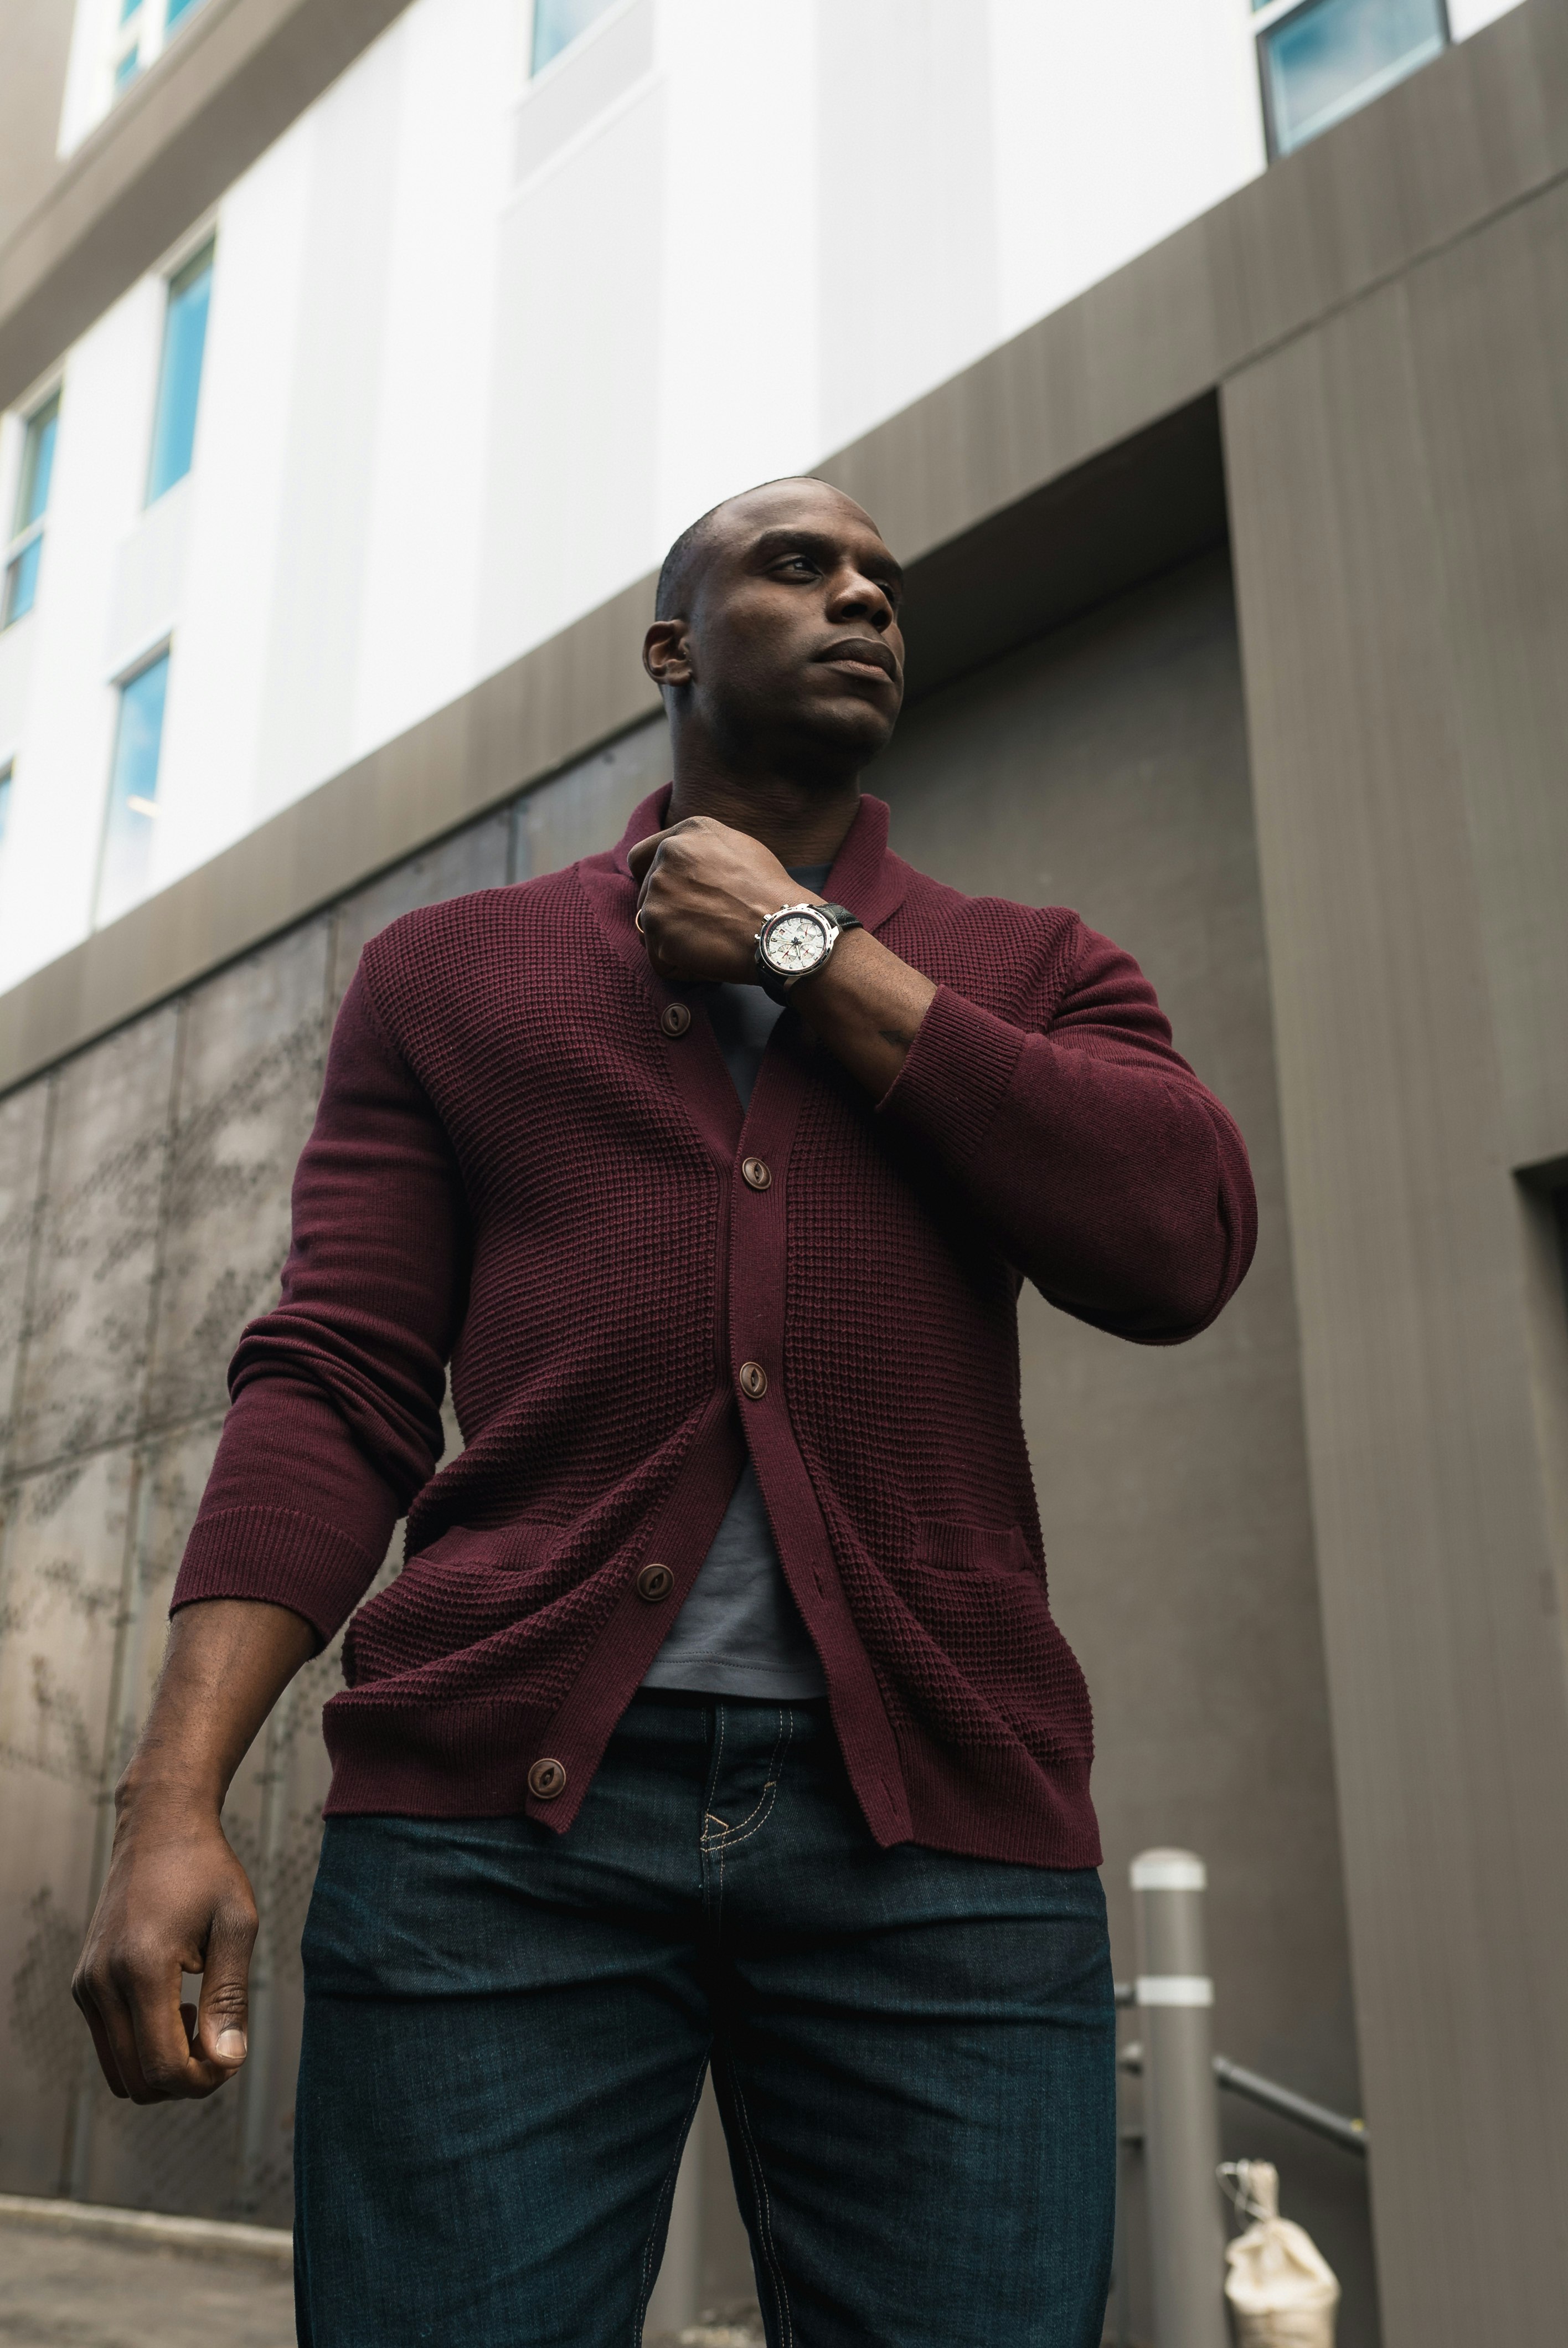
[{"x": 739, "y": 1632}]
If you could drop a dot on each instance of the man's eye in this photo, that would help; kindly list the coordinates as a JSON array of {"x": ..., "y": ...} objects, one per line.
[{"x": 797, "y": 562}]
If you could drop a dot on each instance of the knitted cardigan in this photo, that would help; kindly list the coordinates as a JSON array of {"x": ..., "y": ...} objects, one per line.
[{"x": 528, "y": 1161}]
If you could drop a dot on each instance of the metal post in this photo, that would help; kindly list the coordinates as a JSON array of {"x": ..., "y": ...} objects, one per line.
[{"x": 1181, "y": 2112}]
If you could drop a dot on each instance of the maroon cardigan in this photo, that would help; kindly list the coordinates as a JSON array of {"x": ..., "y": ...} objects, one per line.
[{"x": 529, "y": 1159}]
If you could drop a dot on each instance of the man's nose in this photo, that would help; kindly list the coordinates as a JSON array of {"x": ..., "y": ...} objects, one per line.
[{"x": 853, "y": 596}]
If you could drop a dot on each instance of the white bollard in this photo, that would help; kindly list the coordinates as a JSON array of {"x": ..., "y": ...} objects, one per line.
[{"x": 1181, "y": 2112}]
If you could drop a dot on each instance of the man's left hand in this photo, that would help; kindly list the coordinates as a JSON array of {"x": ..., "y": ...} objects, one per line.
[{"x": 705, "y": 892}]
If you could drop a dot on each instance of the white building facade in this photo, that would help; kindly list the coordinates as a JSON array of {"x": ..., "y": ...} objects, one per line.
[{"x": 520, "y": 293}]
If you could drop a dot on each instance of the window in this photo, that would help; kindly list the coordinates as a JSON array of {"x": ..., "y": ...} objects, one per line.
[
  {"x": 1321, "y": 61},
  {"x": 6, "y": 772},
  {"x": 179, "y": 374},
  {"x": 143, "y": 30},
  {"x": 556, "y": 24},
  {"x": 132, "y": 812},
  {"x": 26, "y": 548}
]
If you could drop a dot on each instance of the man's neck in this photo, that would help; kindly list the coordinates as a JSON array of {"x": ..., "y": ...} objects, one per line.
[{"x": 801, "y": 823}]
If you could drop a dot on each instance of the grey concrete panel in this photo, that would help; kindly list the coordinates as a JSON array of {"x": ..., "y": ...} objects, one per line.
[
  {"x": 1387, "y": 943},
  {"x": 103, "y": 1193},
  {"x": 63, "y": 1541},
  {"x": 23, "y": 1123},
  {"x": 35, "y": 40},
  {"x": 250, "y": 1074},
  {"x": 477, "y": 858},
  {"x": 1495, "y": 445},
  {"x": 1106, "y": 768},
  {"x": 584, "y": 811}
]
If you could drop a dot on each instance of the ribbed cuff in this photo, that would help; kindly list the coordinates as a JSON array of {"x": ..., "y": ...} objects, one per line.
[
  {"x": 279, "y": 1556},
  {"x": 956, "y": 1075}
]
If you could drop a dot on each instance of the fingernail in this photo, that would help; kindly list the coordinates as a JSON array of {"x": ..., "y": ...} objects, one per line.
[{"x": 231, "y": 2046}]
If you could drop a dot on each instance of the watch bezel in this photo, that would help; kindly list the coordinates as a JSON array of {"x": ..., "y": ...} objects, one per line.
[{"x": 827, "y": 928}]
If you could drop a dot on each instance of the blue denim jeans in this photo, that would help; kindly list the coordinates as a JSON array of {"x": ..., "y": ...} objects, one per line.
[{"x": 507, "y": 2033}]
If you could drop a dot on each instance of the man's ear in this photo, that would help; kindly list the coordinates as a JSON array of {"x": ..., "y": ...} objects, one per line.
[{"x": 666, "y": 653}]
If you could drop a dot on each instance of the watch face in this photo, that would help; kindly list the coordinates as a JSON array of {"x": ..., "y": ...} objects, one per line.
[{"x": 795, "y": 944}]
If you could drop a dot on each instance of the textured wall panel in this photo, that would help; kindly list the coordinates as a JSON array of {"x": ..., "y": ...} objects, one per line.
[
  {"x": 23, "y": 1119},
  {"x": 584, "y": 810},
  {"x": 250, "y": 1074},
  {"x": 478, "y": 858},
  {"x": 103, "y": 1195},
  {"x": 1410, "y": 812},
  {"x": 64, "y": 1544}
]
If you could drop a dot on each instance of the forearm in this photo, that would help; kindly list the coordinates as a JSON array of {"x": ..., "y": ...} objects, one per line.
[
  {"x": 867, "y": 1007},
  {"x": 228, "y": 1661}
]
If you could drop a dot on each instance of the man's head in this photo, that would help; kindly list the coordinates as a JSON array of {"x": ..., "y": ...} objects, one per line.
[{"x": 777, "y": 633}]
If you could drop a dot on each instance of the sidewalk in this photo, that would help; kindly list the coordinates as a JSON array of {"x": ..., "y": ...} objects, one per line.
[
  {"x": 60, "y": 2289},
  {"x": 75, "y": 2277}
]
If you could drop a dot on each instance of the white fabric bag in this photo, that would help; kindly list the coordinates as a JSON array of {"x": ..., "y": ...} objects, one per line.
[{"x": 1281, "y": 2291}]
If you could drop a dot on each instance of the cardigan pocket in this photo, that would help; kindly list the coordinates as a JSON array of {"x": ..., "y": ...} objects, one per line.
[
  {"x": 464, "y": 1588},
  {"x": 980, "y": 1594}
]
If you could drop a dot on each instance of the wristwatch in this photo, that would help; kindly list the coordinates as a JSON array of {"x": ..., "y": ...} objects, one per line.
[{"x": 796, "y": 942}]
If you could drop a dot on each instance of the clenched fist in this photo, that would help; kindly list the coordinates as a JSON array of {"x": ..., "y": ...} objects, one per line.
[{"x": 705, "y": 892}]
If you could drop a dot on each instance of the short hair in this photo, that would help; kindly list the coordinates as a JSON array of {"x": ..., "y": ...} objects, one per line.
[{"x": 683, "y": 565}]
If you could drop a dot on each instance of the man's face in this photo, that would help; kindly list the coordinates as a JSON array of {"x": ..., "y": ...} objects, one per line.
[{"x": 792, "y": 644}]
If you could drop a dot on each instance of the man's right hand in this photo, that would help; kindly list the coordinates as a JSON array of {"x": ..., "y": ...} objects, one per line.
[{"x": 177, "y": 1900}]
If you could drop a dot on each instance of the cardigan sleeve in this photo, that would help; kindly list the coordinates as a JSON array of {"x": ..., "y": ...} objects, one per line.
[
  {"x": 1106, "y": 1171},
  {"x": 336, "y": 1421}
]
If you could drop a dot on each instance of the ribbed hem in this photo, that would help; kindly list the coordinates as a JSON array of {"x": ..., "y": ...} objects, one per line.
[
  {"x": 956, "y": 1075},
  {"x": 280, "y": 1556},
  {"x": 999, "y": 1804},
  {"x": 471, "y": 1760}
]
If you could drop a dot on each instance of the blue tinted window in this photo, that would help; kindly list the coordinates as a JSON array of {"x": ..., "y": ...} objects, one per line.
[
  {"x": 133, "y": 791},
  {"x": 125, "y": 72},
  {"x": 22, "y": 582},
  {"x": 177, "y": 8},
  {"x": 1334, "y": 56},
  {"x": 5, "y": 804},
  {"x": 557, "y": 23},
  {"x": 179, "y": 376},
  {"x": 38, "y": 464}
]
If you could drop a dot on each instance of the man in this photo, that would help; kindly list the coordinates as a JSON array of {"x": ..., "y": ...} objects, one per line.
[{"x": 718, "y": 1714}]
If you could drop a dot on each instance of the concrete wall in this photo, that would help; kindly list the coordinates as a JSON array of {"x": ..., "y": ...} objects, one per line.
[
  {"x": 1400, "y": 509},
  {"x": 35, "y": 44}
]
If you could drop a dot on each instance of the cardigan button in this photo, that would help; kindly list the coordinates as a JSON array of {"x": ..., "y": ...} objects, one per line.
[
  {"x": 753, "y": 1380},
  {"x": 654, "y": 1582},
  {"x": 757, "y": 1172},
  {"x": 547, "y": 1779},
  {"x": 675, "y": 1018}
]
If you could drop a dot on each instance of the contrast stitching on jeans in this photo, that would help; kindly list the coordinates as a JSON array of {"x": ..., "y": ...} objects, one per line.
[
  {"x": 738, "y": 1832},
  {"x": 713, "y": 1780},
  {"x": 712, "y": 1896},
  {"x": 661, "y": 2206},
  {"x": 765, "y": 2207}
]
